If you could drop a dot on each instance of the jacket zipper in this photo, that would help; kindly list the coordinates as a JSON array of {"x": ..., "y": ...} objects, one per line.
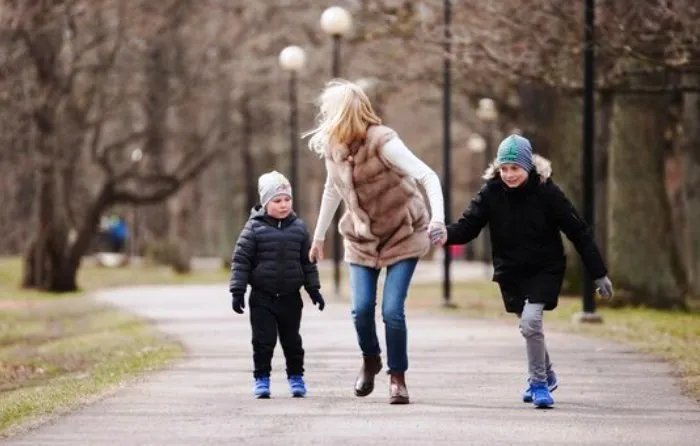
[{"x": 280, "y": 258}]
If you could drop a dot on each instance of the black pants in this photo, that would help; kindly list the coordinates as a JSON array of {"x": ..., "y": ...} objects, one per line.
[
  {"x": 270, "y": 316},
  {"x": 537, "y": 289}
]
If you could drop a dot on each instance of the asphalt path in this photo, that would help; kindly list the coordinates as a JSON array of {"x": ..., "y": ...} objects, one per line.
[{"x": 464, "y": 379}]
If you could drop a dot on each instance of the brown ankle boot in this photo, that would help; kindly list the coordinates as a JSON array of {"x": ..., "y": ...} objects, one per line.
[
  {"x": 371, "y": 365},
  {"x": 397, "y": 389}
]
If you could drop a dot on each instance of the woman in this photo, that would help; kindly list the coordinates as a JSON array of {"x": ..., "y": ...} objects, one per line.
[{"x": 386, "y": 223}]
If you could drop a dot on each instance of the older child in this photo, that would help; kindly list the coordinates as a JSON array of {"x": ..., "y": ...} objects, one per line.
[
  {"x": 525, "y": 211},
  {"x": 271, "y": 255}
]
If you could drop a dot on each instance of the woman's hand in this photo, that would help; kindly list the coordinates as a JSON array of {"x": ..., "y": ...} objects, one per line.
[
  {"x": 437, "y": 233},
  {"x": 316, "y": 251}
]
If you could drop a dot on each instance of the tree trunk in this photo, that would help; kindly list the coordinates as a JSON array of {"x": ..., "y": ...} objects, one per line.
[
  {"x": 251, "y": 195},
  {"x": 47, "y": 267},
  {"x": 602, "y": 144},
  {"x": 691, "y": 178},
  {"x": 52, "y": 260},
  {"x": 43, "y": 256},
  {"x": 540, "y": 112},
  {"x": 158, "y": 73},
  {"x": 565, "y": 153},
  {"x": 553, "y": 125},
  {"x": 643, "y": 259}
]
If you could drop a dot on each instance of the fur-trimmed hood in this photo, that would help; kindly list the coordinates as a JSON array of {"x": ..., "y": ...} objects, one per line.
[{"x": 541, "y": 165}]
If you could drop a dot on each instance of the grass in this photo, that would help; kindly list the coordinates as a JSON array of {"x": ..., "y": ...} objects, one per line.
[
  {"x": 59, "y": 351},
  {"x": 673, "y": 336},
  {"x": 57, "y": 355},
  {"x": 92, "y": 277}
]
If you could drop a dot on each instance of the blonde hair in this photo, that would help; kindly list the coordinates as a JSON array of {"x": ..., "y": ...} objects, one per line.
[{"x": 345, "y": 112}]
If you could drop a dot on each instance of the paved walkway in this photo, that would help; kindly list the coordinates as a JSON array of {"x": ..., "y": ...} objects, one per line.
[{"x": 465, "y": 377}]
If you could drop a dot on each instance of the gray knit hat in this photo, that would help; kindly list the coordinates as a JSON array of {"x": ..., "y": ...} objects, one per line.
[
  {"x": 515, "y": 150},
  {"x": 271, "y": 185}
]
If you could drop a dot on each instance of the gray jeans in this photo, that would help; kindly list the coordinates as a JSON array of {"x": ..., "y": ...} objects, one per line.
[{"x": 531, "y": 327}]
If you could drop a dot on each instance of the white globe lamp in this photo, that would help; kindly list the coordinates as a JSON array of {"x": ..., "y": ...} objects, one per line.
[
  {"x": 292, "y": 58},
  {"x": 336, "y": 21}
]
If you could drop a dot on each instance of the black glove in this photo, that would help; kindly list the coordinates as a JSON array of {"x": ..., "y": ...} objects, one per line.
[
  {"x": 317, "y": 299},
  {"x": 238, "y": 303}
]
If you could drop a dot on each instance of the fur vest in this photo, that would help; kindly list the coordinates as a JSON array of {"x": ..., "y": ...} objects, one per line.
[{"x": 386, "y": 216}]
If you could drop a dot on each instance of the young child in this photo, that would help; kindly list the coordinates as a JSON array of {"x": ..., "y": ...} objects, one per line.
[
  {"x": 271, "y": 255},
  {"x": 525, "y": 211}
]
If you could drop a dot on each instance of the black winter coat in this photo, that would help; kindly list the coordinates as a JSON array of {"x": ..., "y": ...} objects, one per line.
[
  {"x": 524, "y": 225},
  {"x": 273, "y": 257}
]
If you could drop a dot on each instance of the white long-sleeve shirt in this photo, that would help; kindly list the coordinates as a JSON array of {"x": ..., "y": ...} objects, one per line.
[{"x": 396, "y": 152}]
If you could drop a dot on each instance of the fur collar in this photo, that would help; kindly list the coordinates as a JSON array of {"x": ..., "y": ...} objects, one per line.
[{"x": 542, "y": 166}]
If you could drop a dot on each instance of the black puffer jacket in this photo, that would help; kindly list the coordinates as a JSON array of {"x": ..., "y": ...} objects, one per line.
[
  {"x": 272, "y": 256},
  {"x": 524, "y": 224}
]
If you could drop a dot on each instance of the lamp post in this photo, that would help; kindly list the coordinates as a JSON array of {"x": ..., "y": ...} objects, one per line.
[
  {"x": 488, "y": 113},
  {"x": 589, "y": 308},
  {"x": 447, "y": 145},
  {"x": 336, "y": 22},
  {"x": 477, "y": 144},
  {"x": 292, "y": 59},
  {"x": 136, "y": 157}
]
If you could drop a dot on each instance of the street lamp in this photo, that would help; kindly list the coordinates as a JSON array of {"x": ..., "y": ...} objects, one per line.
[
  {"x": 367, "y": 83},
  {"x": 488, "y": 113},
  {"x": 136, "y": 156},
  {"x": 476, "y": 143},
  {"x": 293, "y": 59},
  {"x": 447, "y": 145},
  {"x": 587, "y": 169},
  {"x": 336, "y": 22},
  {"x": 487, "y": 110}
]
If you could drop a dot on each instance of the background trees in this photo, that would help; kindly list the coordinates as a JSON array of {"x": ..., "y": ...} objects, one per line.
[{"x": 167, "y": 112}]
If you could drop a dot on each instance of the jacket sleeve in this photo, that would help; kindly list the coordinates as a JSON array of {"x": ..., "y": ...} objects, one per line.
[
  {"x": 473, "y": 219},
  {"x": 243, "y": 260},
  {"x": 576, "y": 230},
  {"x": 312, "y": 283}
]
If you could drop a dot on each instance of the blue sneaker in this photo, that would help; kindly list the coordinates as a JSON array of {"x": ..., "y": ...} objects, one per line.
[
  {"x": 297, "y": 386},
  {"x": 262, "y": 387},
  {"x": 552, "y": 385},
  {"x": 541, "y": 397}
]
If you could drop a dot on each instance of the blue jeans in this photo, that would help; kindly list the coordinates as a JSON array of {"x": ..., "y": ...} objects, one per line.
[{"x": 363, "y": 283}]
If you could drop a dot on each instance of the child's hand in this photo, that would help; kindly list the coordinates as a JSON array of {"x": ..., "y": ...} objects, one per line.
[
  {"x": 437, "y": 233},
  {"x": 238, "y": 303},
  {"x": 604, "y": 287},
  {"x": 317, "y": 299},
  {"x": 316, "y": 251}
]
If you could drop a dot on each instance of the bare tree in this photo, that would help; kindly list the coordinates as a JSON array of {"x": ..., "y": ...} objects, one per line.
[{"x": 82, "y": 56}]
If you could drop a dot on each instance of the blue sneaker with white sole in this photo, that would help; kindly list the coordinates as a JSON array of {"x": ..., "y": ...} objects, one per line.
[
  {"x": 261, "y": 390},
  {"x": 541, "y": 397},
  {"x": 297, "y": 386},
  {"x": 552, "y": 385}
]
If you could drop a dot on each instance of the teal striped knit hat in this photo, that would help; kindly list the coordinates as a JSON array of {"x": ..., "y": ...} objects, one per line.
[{"x": 515, "y": 150}]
